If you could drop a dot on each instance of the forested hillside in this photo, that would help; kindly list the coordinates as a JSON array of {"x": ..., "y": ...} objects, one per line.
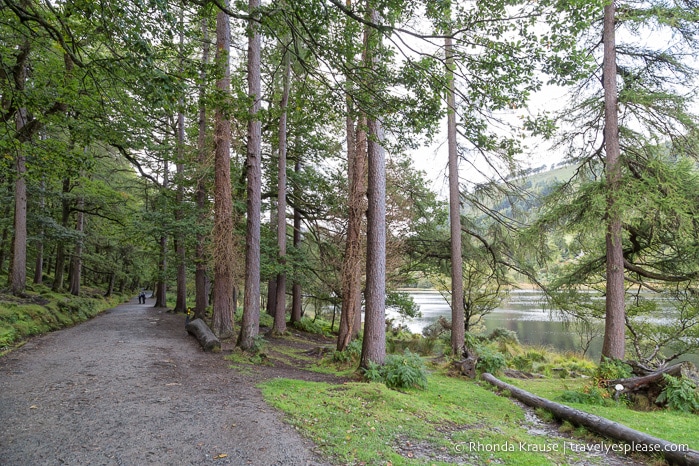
[{"x": 235, "y": 156}]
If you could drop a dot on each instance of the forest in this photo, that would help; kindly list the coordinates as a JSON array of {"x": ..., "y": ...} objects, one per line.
[{"x": 257, "y": 157}]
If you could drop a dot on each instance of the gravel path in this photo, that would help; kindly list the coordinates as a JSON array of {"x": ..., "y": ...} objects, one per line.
[{"x": 130, "y": 387}]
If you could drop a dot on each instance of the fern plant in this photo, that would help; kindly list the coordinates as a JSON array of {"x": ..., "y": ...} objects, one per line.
[
  {"x": 405, "y": 370},
  {"x": 679, "y": 394}
]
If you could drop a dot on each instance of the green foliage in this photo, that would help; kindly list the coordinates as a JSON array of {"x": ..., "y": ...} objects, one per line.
[
  {"x": 611, "y": 369},
  {"x": 317, "y": 326},
  {"x": 403, "y": 303},
  {"x": 350, "y": 354},
  {"x": 399, "y": 371},
  {"x": 490, "y": 360},
  {"x": 589, "y": 395},
  {"x": 680, "y": 394},
  {"x": 21, "y": 318}
]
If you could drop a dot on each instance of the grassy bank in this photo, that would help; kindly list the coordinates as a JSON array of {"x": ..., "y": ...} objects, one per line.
[
  {"x": 455, "y": 419},
  {"x": 41, "y": 310}
]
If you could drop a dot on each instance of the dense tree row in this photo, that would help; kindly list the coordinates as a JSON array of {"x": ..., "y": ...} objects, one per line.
[{"x": 146, "y": 143}]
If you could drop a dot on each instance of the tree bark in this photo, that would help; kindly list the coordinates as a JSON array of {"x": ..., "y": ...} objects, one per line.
[
  {"x": 39, "y": 263},
  {"x": 77, "y": 259},
  {"x": 271, "y": 304},
  {"x": 280, "y": 298},
  {"x": 374, "y": 343},
  {"x": 296, "y": 298},
  {"x": 60, "y": 248},
  {"x": 603, "y": 426},
  {"x": 251, "y": 304},
  {"x": 181, "y": 291},
  {"x": 352, "y": 262},
  {"x": 17, "y": 276},
  {"x": 161, "y": 286},
  {"x": 223, "y": 203},
  {"x": 457, "y": 284},
  {"x": 613, "y": 344},
  {"x": 200, "y": 274}
]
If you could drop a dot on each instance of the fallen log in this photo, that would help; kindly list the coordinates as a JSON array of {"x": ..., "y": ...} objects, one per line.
[
  {"x": 635, "y": 383},
  {"x": 204, "y": 335},
  {"x": 639, "y": 441},
  {"x": 644, "y": 390}
]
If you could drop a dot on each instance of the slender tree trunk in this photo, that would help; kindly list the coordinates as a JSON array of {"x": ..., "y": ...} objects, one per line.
[
  {"x": 374, "y": 343},
  {"x": 181, "y": 292},
  {"x": 200, "y": 274},
  {"x": 457, "y": 284},
  {"x": 60, "y": 248},
  {"x": 296, "y": 298},
  {"x": 613, "y": 344},
  {"x": 223, "y": 203},
  {"x": 161, "y": 286},
  {"x": 110, "y": 286},
  {"x": 76, "y": 262},
  {"x": 39, "y": 263},
  {"x": 271, "y": 304},
  {"x": 3, "y": 240},
  {"x": 251, "y": 305},
  {"x": 280, "y": 298}
]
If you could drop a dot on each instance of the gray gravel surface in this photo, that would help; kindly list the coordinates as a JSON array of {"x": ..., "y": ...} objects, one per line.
[{"x": 130, "y": 387}]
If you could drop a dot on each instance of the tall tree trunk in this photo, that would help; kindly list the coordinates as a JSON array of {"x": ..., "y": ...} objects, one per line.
[
  {"x": 374, "y": 343},
  {"x": 200, "y": 274},
  {"x": 457, "y": 284},
  {"x": 3, "y": 240},
  {"x": 181, "y": 290},
  {"x": 280, "y": 298},
  {"x": 296, "y": 298},
  {"x": 60, "y": 248},
  {"x": 223, "y": 202},
  {"x": 161, "y": 285},
  {"x": 271, "y": 304},
  {"x": 39, "y": 263},
  {"x": 17, "y": 276},
  {"x": 251, "y": 305},
  {"x": 76, "y": 262},
  {"x": 352, "y": 262},
  {"x": 613, "y": 344}
]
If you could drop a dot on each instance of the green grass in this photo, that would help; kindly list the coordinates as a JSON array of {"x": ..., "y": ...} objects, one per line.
[
  {"x": 677, "y": 427},
  {"x": 454, "y": 420}
]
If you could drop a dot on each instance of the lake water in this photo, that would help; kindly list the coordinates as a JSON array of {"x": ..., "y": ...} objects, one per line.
[{"x": 523, "y": 312}]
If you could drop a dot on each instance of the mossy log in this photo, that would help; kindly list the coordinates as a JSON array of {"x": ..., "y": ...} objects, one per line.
[
  {"x": 651, "y": 385},
  {"x": 635, "y": 383},
  {"x": 204, "y": 335},
  {"x": 641, "y": 442}
]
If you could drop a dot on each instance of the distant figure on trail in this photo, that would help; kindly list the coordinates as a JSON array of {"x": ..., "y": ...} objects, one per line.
[{"x": 142, "y": 297}]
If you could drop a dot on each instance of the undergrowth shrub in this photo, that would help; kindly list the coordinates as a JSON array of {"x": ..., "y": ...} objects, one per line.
[
  {"x": 405, "y": 370},
  {"x": 350, "y": 354},
  {"x": 611, "y": 369},
  {"x": 679, "y": 394},
  {"x": 589, "y": 395},
  {"x": 311, "y": 326},
  {"x": 490, "y": 360}
]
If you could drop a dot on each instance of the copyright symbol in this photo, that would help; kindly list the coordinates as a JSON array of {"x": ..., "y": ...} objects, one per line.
[{"x": 458, "y": 447}]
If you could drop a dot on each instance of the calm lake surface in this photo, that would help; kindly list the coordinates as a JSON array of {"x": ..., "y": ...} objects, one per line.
[{"x": 523, "y": 312}]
